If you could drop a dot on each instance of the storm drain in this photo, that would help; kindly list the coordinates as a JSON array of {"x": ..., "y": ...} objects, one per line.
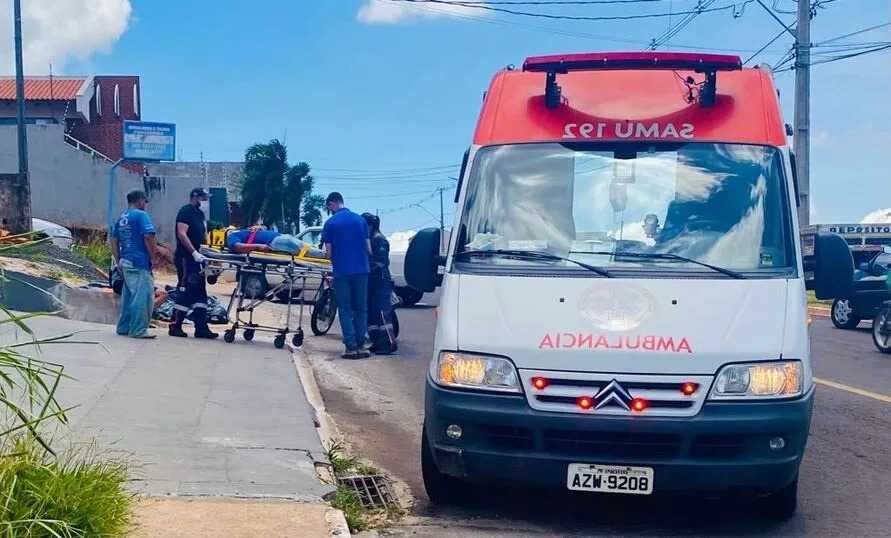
[{"x": 374, "y": 491}]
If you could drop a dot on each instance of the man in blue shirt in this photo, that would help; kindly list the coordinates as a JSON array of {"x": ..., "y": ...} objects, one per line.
[
  {"x": 348, "y": 246},
  {"x": 133, "y": 245}
]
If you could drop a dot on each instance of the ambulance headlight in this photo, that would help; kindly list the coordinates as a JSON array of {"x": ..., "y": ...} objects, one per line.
[
  {"x": 471, "y": 371},
  {"x": 763, "y": 380}
]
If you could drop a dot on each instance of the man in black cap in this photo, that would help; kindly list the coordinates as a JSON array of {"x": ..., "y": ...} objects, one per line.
[{"x": 191, "y": 232}]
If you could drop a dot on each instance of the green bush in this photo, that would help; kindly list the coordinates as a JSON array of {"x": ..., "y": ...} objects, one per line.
[{"x": 77, "y": 494}]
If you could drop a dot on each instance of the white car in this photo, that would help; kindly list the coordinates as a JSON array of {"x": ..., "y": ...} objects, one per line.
[{"x": 61, "y": 235}]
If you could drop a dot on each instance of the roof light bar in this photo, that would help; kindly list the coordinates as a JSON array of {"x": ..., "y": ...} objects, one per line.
[
  {"x": 709, "y": 64},
  {"x": 565, "y": 63}
]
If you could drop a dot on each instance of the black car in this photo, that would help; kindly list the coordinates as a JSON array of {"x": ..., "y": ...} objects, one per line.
[{"x": 870, "y": 289}]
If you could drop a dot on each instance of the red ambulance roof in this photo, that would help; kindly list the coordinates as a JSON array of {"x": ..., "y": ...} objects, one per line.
[{"x": 612, "y": 103}]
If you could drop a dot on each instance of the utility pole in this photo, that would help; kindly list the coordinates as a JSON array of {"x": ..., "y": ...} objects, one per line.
[
  {"x": 801, "y": 140},
  {"x": 24, "y": 182},
  {"x": 441, "y": 221}
]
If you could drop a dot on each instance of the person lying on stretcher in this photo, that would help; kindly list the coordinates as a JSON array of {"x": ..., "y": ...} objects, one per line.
[{"x": 259, "y": 239}]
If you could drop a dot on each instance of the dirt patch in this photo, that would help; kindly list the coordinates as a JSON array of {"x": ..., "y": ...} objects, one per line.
[{"x": 213, "y": 518}]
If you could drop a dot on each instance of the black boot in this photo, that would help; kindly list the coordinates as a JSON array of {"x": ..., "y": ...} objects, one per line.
[
  {"x": 176, "y": 326},
  {"x": 199, "y": 316}
]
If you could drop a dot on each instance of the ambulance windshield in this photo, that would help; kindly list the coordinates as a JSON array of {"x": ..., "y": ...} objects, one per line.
[{"x": 721, "y": 204}]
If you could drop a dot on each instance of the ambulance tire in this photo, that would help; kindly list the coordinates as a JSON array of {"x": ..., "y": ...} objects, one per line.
[
  {"x": 440, "y": 488},
  {"x": 781, "y": 504}
]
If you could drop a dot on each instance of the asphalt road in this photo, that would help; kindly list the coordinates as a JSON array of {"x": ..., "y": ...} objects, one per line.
[{"x": 845, "y": 487}]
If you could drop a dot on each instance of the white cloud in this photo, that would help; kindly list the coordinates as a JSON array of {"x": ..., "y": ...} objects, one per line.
[
  {"x": 389, "y": 12},
  {"x": 399, "y": 240},
  {"x": 881, "y": 216},
  {"x": 61, "y": 30}
]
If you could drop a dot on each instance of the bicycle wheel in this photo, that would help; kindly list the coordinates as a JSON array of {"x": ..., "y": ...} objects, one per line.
[{"x": 324, "y": 311}]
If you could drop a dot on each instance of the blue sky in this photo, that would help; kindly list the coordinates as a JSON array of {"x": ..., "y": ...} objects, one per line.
[{"x": 357, "y": 99}]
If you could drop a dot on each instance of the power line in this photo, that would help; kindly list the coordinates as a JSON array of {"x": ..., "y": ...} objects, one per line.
[
  {"x": 392, "y": 171},
  {"x": 422, "y": 200},
  {"x": 762, "y": 49},
  {"x": 556, "y": 31},
  {"x": 858, "y": 32},
  {"x": 697, "y": 11}
]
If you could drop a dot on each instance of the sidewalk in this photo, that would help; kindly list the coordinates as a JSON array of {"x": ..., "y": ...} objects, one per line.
[{"x": 203, "y": 419}]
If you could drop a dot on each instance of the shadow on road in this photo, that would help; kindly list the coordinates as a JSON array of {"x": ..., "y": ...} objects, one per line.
[{"x": 563, "y": 512}]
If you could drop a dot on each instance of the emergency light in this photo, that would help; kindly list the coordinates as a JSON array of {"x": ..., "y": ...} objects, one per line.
[{"x": 709, "y": 64}]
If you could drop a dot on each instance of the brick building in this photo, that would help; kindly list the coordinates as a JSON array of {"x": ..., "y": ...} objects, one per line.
[{"x": 91, "y": 108}]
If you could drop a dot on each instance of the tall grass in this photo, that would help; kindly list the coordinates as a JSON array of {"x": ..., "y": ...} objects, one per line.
[
  {"x": 77, "y": 494},
  {"x": 96, "y": 249},
  {"x": 43, "y": 494}
]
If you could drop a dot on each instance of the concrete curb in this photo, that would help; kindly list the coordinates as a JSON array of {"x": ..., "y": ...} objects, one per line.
[
  {"x": 822, "y": 311},
  {"x": 337, "y": 524}
]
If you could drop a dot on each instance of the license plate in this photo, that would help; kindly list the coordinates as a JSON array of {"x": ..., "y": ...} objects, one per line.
[{"x": 610, "y": 479}]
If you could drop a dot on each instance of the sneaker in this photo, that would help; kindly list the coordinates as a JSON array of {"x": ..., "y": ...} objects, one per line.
[
  {"x": 350, "y": 354},
  {"x": 362, "y": 354},
  {"x": 177, "y": 331}
]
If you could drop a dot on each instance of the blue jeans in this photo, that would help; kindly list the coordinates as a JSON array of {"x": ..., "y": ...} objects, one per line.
[
  {"x": 351, "y": 292},
  {"x": 289, "y": 243},
  {"x": 137, "y": 300}
]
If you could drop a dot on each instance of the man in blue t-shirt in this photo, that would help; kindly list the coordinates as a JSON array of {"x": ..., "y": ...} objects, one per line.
[
  {"x": 347, "y": 244},
  {"x": 133, "y": 245}
]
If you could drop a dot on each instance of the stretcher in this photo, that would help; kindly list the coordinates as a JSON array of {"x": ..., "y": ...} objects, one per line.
[{"x": 253, "y": 287}]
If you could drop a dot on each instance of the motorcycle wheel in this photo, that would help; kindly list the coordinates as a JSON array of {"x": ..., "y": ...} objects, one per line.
[
  {"x": 323, "y": 313},
  {"x": 881, "y": 330}
]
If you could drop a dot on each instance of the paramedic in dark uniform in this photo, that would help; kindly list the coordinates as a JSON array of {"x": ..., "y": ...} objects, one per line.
[{"x": 191, "y": 232}]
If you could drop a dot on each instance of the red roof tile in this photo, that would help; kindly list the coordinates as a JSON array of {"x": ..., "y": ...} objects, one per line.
[{"x": 63, "y": 89}]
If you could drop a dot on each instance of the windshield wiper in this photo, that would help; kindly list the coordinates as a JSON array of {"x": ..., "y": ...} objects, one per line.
[
  {"x": 533, "y": 255},
  {"x": 666, "y": 256}
]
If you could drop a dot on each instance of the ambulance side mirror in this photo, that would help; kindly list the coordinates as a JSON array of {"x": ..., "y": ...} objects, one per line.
[
  {"x": 833, "y": 267},
  {"x": 422, "y": 261}
]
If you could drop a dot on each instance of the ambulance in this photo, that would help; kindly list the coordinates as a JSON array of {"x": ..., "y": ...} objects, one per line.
[{"x": 623, "y": 306}]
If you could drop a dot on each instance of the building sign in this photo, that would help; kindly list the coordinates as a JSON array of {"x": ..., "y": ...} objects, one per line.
[
  {"x": 858, "y": 228},
  {"x": 149, "y": 141}
]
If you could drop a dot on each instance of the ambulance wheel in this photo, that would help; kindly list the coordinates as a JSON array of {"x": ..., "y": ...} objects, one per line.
[
  {"x": 781, "y": 504},
  {"x": 297, "y": 339},
  {"x": 248, "y": 334},
  {"x": 229, "y": 336},
  {"x": 279, "y": 341},
  {"x": 440, "y": 488}
]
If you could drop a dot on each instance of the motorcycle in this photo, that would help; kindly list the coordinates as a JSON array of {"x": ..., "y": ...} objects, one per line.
[
  {"x": 881, "y": 328},
  {"x": 324, "y": 309}
]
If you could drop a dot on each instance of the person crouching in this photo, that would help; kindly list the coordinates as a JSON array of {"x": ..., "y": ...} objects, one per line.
[{"x": 380, "y": 289}]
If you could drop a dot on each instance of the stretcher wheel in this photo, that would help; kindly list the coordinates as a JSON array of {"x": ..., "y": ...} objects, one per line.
[
  {"x": 248, "y": 334},
  {"x": 279, "y": 341},
  {"x": 229, "y": 336},
  {"x": 297, "y": 339},
  {"x": 212, "y": 279}
]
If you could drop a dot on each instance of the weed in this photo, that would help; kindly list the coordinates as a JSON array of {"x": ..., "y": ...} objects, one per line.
[
  {"x": 340, "y": 464},
  {"x": 96, "y": 249},
  {"x": 358, "y": 517},
  {"x": 78, "y": 494},
  {"x": 812, "y": 299}
]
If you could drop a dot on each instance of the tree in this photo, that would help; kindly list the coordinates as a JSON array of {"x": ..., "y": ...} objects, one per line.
[
  {"x": 312, "y": 210},
  {"x": 272, "y": 191}
]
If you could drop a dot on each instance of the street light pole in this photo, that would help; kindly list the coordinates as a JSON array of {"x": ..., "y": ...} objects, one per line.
[
  {"x": 441, "y": 222},
  {"x": 24, "y": 182}
]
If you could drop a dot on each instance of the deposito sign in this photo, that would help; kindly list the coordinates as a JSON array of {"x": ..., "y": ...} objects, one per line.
[
  {"x": 149, "y": 141},
  {"x": 860, "y": 228}
]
